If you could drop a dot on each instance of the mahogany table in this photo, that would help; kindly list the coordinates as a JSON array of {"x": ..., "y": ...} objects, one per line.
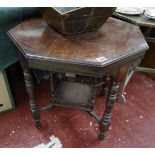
[{"x": 110, "y": 51}]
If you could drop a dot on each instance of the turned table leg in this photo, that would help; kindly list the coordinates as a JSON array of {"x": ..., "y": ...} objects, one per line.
[
  {"x": 30, "y": 90},
  {"x": 123, "y": 81},
  {"x": 106, "y": 119},
  {"x": 104, "y": 85},
  {"x": 52, "y": 85},
  {"x": 125, "y": 74}
]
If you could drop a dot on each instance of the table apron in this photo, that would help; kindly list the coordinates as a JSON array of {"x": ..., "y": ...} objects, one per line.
[{"x": 93, "y": 71}]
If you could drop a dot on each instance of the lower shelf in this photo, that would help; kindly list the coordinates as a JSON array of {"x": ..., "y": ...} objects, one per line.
[{"x": 74, "y": 95}]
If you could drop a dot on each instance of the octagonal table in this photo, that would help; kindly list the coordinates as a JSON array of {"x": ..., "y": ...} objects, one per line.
[{"x": 111, "y": 50}]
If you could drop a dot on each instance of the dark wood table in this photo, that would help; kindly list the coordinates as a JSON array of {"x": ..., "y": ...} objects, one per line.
[
  {"x": 147, "y": 26},
  {"x": 110, "y": 51}
]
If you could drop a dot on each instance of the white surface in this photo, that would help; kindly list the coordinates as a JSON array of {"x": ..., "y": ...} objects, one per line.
[
  {"x": 150, "y": 13},
  {"x": 129, "y": 10},
  {"x": 79, "y": 3},
  {"x": 54, "y": 143}
]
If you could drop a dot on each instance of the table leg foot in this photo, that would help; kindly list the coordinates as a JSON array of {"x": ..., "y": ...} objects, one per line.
[
  {"x": 104, "y": 128},
  {"x": 122, "y": 99},
  {"x": 38, "y": 124},
  {"x": 102, "y": 136}
]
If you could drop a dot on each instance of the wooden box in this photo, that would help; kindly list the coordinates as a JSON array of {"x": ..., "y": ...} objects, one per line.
[{"x": 74, "y": 20}]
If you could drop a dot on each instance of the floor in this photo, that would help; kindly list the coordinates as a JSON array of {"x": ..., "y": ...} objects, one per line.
[{"x": 133, "y": 123}]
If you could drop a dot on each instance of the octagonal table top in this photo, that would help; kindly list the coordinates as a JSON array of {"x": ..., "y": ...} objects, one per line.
[{"x": 114, "y": 41}]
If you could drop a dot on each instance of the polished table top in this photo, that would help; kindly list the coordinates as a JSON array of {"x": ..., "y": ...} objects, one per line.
[{"x": 114, "y": 41}]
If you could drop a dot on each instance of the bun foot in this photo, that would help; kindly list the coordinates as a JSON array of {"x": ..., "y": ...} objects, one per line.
[
  {"x": 101, "y": 136},
  {"x": 123, "y": 99},
  {"x": 38, "y": 125}
]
